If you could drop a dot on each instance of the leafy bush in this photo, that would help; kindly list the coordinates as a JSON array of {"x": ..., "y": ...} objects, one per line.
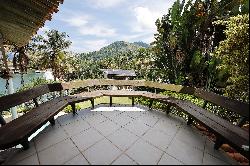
[{"x": 68, "y": 109}]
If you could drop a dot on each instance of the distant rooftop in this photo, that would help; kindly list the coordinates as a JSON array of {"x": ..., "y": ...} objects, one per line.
[{"x": 119, "y": 72}]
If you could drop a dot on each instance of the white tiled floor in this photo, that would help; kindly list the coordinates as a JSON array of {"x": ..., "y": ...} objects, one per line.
[{"x": 119, "y": 137}]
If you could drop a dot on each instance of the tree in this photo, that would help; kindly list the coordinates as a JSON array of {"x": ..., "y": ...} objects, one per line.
[
  {"x": 234, "y": 55},
  {"x": 49, "y": 51}
]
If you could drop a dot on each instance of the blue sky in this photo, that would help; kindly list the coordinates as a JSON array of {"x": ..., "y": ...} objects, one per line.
[{"x": 92, "y": 24}]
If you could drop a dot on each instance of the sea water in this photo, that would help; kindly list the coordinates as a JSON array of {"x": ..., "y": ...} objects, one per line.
[{"x": 17, "y": 80}]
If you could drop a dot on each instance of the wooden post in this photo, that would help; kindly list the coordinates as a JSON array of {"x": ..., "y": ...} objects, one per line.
[
  {"x": 242, "y": 121},
  {"x": 9, "y": 79},
  {"x": 133, "y": 101},
  {"x": 2, "y": 121},
  {"x": 25, "y": 143},
  {"x": 168, "y": 109},
  {"x": 190, "y": 120},
  {"x": 73, "y": 106},
  {"x": 92, "y": 103},
  {"x": 218, "y": 143},
  {"x": 110, "y": 101},
  {"x": 52, "y": 121},
  {"x": 36, "y": 103},
  {"x": 150, "y": 104}
]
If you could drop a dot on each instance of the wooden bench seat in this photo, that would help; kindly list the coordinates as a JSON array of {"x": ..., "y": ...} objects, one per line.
[
  {"x": 18, "y": 130},
  {"x": 225, "y": 131}
]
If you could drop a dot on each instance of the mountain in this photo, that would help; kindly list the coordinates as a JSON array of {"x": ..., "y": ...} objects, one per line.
[{"x": 114, "y": 49}]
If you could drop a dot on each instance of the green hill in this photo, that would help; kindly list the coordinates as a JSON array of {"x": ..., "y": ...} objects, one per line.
[{"x": 114, "y": 49}]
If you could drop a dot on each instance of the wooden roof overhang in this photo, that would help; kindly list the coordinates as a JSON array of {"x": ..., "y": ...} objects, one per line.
[{"x": 21, "y": 19}]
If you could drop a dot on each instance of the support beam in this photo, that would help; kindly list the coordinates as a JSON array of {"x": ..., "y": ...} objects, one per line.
[
  {"x": 150, "y": 104},
  {"x": 190, "y": 120},
  {"x": 205, "y": 104},
  {"x": 242, "y": 121},
  {"x": 36, "y": 103},
  {"x": 110, "y": 101},
  {"x": 133, "y": 101},
  {"x": 52, "y": 121},
  {"x": 92, "y": 103},
  {"x": 168, "y": 109},
  {"x": 218, "y": 143},
  {"x": 73, "y": 106},
  {"x": 2, "y": 121},
  {"x": 25, "y": 143}
]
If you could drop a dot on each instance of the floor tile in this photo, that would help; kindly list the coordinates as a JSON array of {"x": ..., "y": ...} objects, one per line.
[
  {"x": 169, "y": 160},
  {"x": 21, "y": 154},
  {"x": 58, "y": 153},
  {"x": 68, "y": 118},
  {"x": 185, "y": 152},
  {"x": 137, "y": 127},
  {"x": 96, "y": 119},
  {"x": 76, "y": 127},
  {"x": 102, "y": 153},
  {"x": 78, "y": 160},
  {"x": 86, "y": 138},
  {"x": 167, "y": 127},
  {"x": 210, "y": 160},
  {"x": 191, "y": 136},
  {"x": 122, "y": 138},
  {"x": 124, "y": 160},
  {"x": 52, "y": 136},
  {"x": 144, "y": 153},
  {"x": 158, "y": 139},
  {"x": 31, "y": 160},
  {"x": 107, "y": 127},
  {"x": 122, "y": 119}
]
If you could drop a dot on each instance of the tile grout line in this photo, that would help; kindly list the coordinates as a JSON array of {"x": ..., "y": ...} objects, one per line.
[
  {"x": 37, "y": 153},
  {"x": 204, "y": 151},
  {"x": 168, "y": 147}
]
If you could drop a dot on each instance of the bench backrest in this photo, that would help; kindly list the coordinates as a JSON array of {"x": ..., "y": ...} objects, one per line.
[
  {"x": 12, "y": 100},
  {"x": 15, "y": 99},
  {"x": 225, "y": 102}
]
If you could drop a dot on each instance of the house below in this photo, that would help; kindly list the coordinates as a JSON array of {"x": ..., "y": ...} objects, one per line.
[{"x": 118, "y": 74}]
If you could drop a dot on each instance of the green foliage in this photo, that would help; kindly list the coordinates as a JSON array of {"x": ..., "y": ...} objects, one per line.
[
  {"x": 68, "y": 109},
  {"x": 48, "y": 51},
  {"x": 33, "y": 82},
  {"x": 234, "y": 55}
]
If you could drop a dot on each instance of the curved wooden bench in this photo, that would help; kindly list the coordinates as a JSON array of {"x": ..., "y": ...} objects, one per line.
[
  {"x": 18, "y": 130},
  {"x": 224, "y": 130}
]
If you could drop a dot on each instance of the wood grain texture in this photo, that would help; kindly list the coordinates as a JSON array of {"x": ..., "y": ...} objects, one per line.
[{"x": 12, "y": 133}]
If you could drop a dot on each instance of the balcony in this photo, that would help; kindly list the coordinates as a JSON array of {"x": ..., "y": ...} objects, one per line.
[{"x": 120, "y": 136}]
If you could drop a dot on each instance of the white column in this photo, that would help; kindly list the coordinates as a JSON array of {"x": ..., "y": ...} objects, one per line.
[{"x": 11, "y": 91}]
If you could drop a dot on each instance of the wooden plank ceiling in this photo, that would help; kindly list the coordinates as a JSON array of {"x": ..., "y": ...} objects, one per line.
[{"x": 21, "y": 19}]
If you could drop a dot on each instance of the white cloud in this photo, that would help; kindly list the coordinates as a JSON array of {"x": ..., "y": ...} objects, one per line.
[
  {"x": 88, "y": 25},
  {"x": 144, "y": 17},
  {"x": 105, "y": 3},
  {"x": 77, "y": 21}
]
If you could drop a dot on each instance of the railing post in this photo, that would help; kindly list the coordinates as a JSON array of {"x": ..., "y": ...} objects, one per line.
[
  {"x": 35, "y": 101},
  {"x": 190, "y": 120},
  {"x": 168, "y": 109},
  {"x": 150, "y": 104},
  {"x": 133, "y": 101},
  {"x": 73, "y": 106},
  {"x": 92, "y": 103},
  {"x": 110, "y": 101}
]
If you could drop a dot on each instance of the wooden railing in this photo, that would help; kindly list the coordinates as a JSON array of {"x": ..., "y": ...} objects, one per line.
[{"x": 27, "y": 95}]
